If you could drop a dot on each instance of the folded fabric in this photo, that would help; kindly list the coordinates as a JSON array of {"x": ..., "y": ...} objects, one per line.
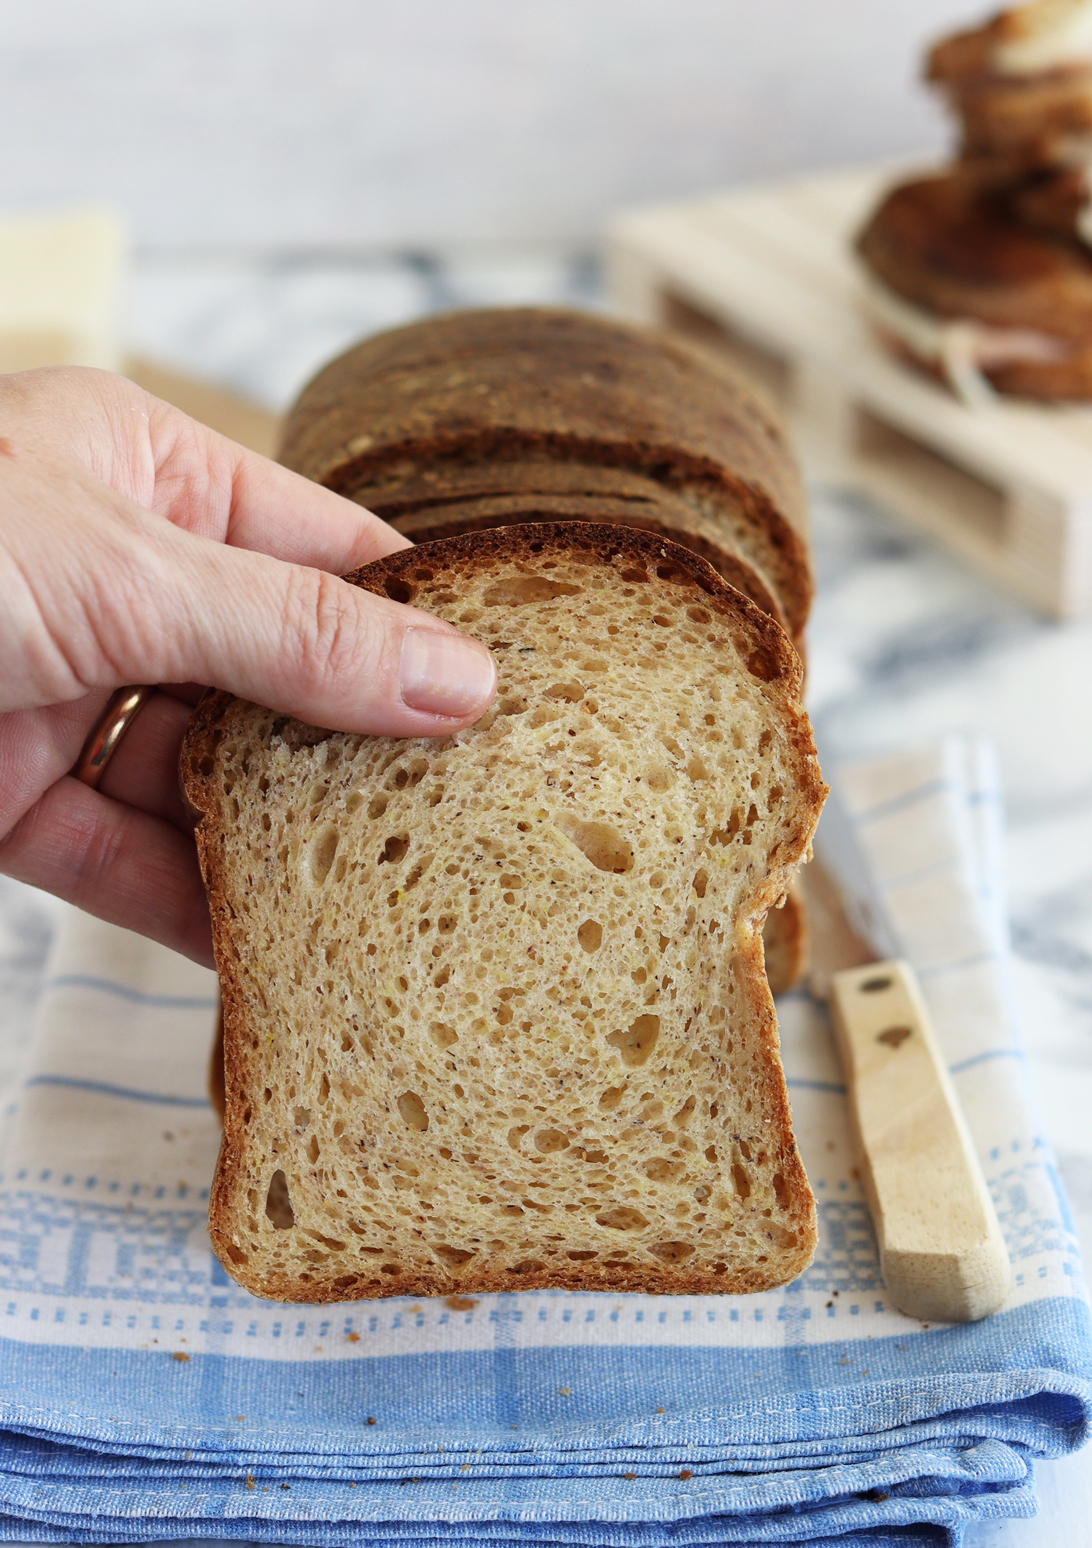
[{"x": 143, "y": 1396}]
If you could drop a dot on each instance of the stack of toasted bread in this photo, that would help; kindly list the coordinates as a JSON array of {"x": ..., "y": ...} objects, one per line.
[
  {"x": 495, "y": 1005},
  {"x": 983, "y": 274}
]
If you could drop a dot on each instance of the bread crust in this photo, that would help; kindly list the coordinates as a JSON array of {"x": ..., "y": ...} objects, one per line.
[
  {"x": 941, "y": 248},
  {"x": 535, "y": 383},
  {"x": 426, "y": 527},
  {"x": 771, "y": 659},
  {"x": 971, "y": 54},
  {"x": 447, "y": 498}
]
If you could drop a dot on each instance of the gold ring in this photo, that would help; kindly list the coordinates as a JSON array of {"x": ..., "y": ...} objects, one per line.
[{"x": 119, "y": 714}]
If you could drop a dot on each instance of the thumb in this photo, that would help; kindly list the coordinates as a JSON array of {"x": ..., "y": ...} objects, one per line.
[{"x": 307, "y": 643}]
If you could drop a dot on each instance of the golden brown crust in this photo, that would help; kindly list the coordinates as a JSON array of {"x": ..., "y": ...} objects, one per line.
[
  {"x": 935, "y": 244},
  {"x": 769, "y": 657},
  {"x": 562, "y": 386}
]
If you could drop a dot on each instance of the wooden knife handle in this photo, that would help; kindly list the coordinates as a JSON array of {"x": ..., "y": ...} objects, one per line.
[{"x": 941, "y": 1250}]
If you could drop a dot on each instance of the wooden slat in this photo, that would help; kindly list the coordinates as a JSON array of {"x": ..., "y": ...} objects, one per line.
[{"x": 772, "y": 266}]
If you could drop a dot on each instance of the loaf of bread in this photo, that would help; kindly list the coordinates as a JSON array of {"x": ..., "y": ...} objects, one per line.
[
  {"x": 487, "y": 418},
  {"x": 495, "y": 1011}
]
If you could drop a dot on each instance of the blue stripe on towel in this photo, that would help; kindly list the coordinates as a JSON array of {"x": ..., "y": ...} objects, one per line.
[
  {"x": 104, "y": 1088},
  {"x": 134, "y": 996}
]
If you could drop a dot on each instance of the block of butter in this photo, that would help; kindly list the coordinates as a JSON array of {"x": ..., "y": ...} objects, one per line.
[{"x": 62, "y": 280}]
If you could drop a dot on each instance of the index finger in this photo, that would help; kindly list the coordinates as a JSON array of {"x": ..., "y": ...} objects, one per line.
[{"x": 218, "y": 489}]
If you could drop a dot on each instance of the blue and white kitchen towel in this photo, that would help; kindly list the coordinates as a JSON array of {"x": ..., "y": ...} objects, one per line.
[{"x": 143, "y": 1396}]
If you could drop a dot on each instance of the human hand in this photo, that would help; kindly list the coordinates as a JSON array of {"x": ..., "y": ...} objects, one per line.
[{"x": 136, "y": 546}]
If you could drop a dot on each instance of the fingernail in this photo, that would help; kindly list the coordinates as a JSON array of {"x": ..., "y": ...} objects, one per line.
[{"x": 445, "y": 674}]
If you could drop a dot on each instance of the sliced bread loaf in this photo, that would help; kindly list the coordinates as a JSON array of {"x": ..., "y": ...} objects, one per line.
[
  {"x": 497, "y": 395},
  {"x": 495, "y": 1006}
]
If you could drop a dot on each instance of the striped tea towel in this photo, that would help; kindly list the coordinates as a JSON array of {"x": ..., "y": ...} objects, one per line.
[{"x": 143, "y": 1396}]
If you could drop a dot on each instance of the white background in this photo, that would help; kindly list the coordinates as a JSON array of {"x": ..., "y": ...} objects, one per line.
[{"x": 383, "y": 124}]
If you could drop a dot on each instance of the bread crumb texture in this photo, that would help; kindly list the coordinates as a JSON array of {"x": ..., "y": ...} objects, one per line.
[{"x": 495, "y": 1007}]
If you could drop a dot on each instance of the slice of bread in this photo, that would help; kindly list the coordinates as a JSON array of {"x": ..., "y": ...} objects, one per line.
[
  {"x": 495, "y": 1007},
  {"x": 784, "y": 947}
]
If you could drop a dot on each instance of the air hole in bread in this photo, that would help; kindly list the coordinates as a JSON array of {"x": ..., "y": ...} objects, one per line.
[
  {"x": 701, "y": 882},
  {"x": 660, "y": 1169},
  {"x": 672, "y": 1252},
  {"x": 548, "y": 1141},
  {"x": 378, "y": 805},
  {"x": 685, "y": 1113},
  {"x": 780, "y": 1235},
  {"x": 323, "y": 848},
  {"x": 278, "y": 1205},
  {"x": 412, "y": 1110},
  {"x": 599, "y": 842},
  {"x": 528, "y": 1266},
  {"x": 741, "y": 1181},
  {"x": 397, "y": 589},
  {"x": 624, "y": 1218},
  {"x": 765, "y": 664},
  {"x": 636, "y": 1042},
  {"x": 519, "y": 589},
  {"x": 590, "y": 935},
  {"x": 394, "y": 849},
  {"x": 698, "y": 770},
  {"x": 611, "y": 1098},
  {"x": 571, "y": 693},
  {"x": 453, "y": 1258}
]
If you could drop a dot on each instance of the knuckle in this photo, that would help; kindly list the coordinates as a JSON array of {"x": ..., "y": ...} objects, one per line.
[{"x": 336, "y": 639}]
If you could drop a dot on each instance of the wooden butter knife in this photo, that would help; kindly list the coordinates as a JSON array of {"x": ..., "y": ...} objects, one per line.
[{"x": 942, "y": 1254}]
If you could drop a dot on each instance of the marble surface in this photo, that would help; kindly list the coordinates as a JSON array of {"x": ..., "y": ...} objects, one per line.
[{"x": 905, "y": 644}]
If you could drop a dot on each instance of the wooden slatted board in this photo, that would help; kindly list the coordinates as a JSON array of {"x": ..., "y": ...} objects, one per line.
[{"x": 768, "y": 273}]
